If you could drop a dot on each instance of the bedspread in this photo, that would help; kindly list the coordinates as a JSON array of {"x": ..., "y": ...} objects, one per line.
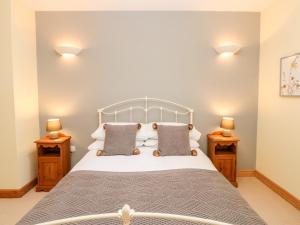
[{"x": 191, "y": 192}]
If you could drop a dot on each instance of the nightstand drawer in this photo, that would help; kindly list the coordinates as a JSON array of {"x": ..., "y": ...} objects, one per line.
[
  {"x": 49, "y": 169},
  {"x": 226, "y": 166}
]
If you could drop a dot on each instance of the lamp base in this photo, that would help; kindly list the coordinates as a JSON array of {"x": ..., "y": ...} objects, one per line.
[
  {"x": 53, "y": 134},
  {"x": 227, "y": 133}
]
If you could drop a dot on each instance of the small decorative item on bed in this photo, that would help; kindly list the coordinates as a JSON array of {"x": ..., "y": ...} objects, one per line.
[
  {"x": 290, "y": 75},
  {"x": 119, "y": 140},
  {"x": 173, "y": 139}
]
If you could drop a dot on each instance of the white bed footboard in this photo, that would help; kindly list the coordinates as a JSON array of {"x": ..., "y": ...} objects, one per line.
[{"x": 126, "y": 214}]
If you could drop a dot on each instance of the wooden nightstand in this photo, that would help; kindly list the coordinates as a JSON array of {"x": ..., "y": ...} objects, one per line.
[
  {"x": 53, "y": 156},
  {"x": 222, "y": 152}
]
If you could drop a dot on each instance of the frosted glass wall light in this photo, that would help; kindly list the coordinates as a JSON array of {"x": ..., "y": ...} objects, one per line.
[
  {"x": 68, "y": 51},
  {"x": 227, "y": 50}
]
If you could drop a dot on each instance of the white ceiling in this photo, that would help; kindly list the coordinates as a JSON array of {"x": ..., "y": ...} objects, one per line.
[{"x": 136, "y": 5}]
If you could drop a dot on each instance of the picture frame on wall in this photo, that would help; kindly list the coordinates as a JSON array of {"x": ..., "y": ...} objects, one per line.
[{"x": 290, "y": 75}]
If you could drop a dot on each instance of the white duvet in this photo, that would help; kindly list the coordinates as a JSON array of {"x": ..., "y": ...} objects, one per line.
[{"x": 143, "y": 162}]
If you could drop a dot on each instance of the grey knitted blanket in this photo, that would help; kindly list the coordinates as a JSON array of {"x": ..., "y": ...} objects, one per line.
[{"x": 192, "y": 192}]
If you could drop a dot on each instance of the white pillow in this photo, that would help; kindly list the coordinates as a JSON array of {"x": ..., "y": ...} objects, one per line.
[
  {"x": 194, "y": 133},
  {"x": 154, "y": 143},
  {"x": 98, "y": 145},
  {"x": 145, "y": 132},
  {"x": 151, "y": 143},
  {"x": 194, "y": 143}
]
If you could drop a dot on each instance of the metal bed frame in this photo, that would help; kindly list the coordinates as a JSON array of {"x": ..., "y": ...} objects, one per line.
[
  {"x": 160, "y": 105},
  {"x": 126, "y": 214}
]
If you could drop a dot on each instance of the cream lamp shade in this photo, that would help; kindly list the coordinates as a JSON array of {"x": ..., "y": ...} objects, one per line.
[
  {"x": 227, "y": 123},
  {"x": 53, "y": 126}
]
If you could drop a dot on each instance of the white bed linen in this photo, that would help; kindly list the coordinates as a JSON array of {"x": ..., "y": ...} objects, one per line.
[{"x": 143, "y": 162}]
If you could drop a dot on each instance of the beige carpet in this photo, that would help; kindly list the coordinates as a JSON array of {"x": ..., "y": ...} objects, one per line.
[
  {"x": 271, "y": 207},
  {"x": 12, "y": 209}
]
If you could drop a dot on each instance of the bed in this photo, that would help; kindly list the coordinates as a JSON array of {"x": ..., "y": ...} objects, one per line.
[{"x": 142, "y": 189}]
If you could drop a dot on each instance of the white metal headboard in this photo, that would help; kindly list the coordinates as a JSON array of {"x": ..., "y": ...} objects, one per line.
[{"x": 109, "y": 110}]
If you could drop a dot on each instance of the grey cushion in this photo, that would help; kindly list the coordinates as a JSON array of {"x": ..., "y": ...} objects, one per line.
[
  {"x": 173, "y": 140},
  {"x": 119, "y": 139}
]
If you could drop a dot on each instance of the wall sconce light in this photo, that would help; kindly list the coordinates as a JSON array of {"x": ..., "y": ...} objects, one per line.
[
  {"x": 227, "y": 50},
  {"x": 68, "y": 51}
]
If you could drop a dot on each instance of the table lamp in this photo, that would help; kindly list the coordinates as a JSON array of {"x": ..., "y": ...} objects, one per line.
[
  {"x": 53, "y": 128},
  {"x": 227, "y": 123}
]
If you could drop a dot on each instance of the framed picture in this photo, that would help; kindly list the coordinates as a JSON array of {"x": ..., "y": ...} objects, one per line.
[{"x": 290, "y": 75}]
